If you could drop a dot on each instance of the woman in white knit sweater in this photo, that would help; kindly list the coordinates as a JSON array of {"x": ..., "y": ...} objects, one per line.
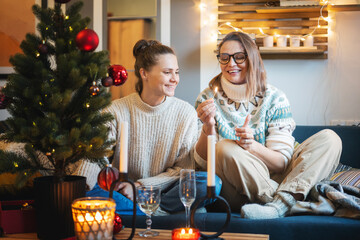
[{"x": 162, "y": 130}]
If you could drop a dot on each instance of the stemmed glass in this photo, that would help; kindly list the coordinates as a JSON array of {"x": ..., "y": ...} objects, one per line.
[
  {"x": 187, "y": 191},
  {"x": 148, "y": 199}
]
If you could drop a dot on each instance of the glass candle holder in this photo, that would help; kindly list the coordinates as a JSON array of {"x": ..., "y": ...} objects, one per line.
[
  {"x": 93, "y": 218},
  {"x": 268, "y": 41},
  {"x": 281, "y": 41},
  {"x": 185, "y": 233},
  {"x": 309, "y": 41},
  {"x": 295, "y": 41}
]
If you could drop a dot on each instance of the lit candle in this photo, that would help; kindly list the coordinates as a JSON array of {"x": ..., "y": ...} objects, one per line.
[
  {"x": 185, "y": 233},
  {"x": 123, "y": 166},
  {"x": 211, "y": 160},
  {"x": 215, "y": 91},
  {"x": 93, "y": 218}
]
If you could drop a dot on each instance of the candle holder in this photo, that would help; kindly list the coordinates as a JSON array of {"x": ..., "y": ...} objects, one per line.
[
  {"x": 123, "y": 177},
  {"x": 93, "y": 218},
  {"x": 185, "y": 234},
  {"x": 211, "y": 195}
]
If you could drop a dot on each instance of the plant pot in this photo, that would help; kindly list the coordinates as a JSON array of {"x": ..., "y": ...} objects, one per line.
[{"x": 53, "y": 205}]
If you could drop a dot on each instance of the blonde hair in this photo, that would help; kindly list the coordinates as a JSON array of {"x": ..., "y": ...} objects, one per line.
[{"x": 256, "y": 74}]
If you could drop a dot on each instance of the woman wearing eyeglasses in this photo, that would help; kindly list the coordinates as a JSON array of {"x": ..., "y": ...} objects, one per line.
[{"x": 262, "y": 173}]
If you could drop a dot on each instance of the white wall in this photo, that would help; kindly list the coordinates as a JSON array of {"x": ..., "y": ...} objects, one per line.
[{"x": 319, "y": 90}]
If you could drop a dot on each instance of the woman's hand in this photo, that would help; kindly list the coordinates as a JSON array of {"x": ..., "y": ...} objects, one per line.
[
  {"x": 206, "y": 112},
  {"x": 125, "y": 189},
  {"x": 246, "y": 135}
]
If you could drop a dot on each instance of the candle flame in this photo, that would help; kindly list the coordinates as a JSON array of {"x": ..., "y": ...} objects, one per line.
[
  {"x": 215, "y": 90},
  {"x": 182, "y": 231},
  {"x": 88, "y": 217},
  {"x": 190, "y": 231},
  {"x": 98, "y": 216}
]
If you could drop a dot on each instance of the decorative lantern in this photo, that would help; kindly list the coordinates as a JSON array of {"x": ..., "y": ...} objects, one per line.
[{"x": 94, "y": 218}]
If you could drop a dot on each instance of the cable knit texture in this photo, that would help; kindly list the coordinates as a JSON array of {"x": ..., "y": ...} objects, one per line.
[
  {"x": 271, "y": 118},
  {"x": 161, "y": 139}
]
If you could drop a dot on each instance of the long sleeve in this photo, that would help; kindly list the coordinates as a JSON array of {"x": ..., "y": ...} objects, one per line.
[{"x": 161, "y": 138}]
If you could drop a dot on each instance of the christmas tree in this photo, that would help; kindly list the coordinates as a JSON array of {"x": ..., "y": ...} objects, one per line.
[{"x": 56, "y": 97}]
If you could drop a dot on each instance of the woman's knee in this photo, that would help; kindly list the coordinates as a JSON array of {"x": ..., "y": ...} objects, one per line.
[{"x": 331, "y": 138}]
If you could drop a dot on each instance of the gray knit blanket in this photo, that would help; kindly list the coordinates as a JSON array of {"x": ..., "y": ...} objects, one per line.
[{"x": 330, "y": 198}]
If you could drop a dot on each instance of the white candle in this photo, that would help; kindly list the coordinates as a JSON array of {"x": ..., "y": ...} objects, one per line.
[
  {"x": 281, "y": 41},
  {"x": 211, "y": 160},
  {"x": 123, "y": 166},
  {"x": 268, "y": 41},
  {"x": 309, "y": 41},
  {"x": 295, "y": 41}
]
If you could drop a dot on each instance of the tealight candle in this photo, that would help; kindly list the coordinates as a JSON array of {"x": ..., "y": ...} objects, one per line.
[
  {"x": 185, "y": 233},
  {"x": 123, "y": 166},
  {"x": 211, "y": 161}
]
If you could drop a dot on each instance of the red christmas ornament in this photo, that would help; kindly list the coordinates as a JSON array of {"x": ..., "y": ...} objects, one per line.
[
  {"x": 118, "y": 226},
  {"x": 118, "y": 73},
  {"x": 62, "y": 1},
  {"x": 107, "y": 81},
  {"x": 87, "y": 40},
  {"x": 107, "y": 176},
  {"x": 4, "y": 100}
]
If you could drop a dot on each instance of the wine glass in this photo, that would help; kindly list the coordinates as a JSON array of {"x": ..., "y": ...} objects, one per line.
[
  {"x": 187, "y": 191},
  {"x": 148, "y": 199}
]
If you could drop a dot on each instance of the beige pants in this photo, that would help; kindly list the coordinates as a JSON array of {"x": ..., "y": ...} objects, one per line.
[{"x": 247, "y": 179}]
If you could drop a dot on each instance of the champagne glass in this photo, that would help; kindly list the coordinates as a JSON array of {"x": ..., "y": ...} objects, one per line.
[
  {"x": 187, "y": 191},
  {"x": 148, "y": 199}
]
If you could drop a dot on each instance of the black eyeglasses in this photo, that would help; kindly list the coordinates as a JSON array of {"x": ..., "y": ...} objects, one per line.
[{"x": 238, "y": 57}]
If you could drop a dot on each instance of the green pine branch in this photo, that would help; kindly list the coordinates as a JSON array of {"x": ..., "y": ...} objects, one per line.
[{"x": 52, "y": 110}]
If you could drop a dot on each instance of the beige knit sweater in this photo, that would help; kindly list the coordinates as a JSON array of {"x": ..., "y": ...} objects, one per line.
[{"x": 161, "y": 140}]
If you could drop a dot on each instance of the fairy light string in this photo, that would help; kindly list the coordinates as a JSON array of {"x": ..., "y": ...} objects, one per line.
[{"x": 323, "y": 3}]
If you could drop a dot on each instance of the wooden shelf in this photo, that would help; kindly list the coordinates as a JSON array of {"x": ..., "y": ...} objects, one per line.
[
  {"x": 250, "y": 15},
  {"x": 330, "y": 8},
  {"x": 289, "y": 9},
  {"x": 343, "y": 8}
]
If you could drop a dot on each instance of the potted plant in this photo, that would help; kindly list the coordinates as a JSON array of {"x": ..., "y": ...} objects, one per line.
[{"x": 55, "y": 108}]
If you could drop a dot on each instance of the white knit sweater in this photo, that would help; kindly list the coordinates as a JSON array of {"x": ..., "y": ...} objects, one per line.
[{"x": 161, "y": 140}]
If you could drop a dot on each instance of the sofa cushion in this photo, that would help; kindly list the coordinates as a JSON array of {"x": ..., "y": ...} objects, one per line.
[{"x": 350, "y": 177}]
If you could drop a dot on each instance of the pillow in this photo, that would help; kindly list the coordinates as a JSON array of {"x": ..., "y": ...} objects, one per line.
[{"x": 350, "y": 177}]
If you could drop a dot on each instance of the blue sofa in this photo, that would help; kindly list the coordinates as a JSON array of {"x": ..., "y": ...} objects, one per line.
[{"x": 309, "y": 227}]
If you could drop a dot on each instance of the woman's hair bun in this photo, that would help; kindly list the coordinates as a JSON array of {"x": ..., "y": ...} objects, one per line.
[{"x": 142, "y": 45}]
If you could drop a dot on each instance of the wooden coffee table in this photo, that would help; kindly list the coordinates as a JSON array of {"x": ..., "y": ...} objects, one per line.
[{"x": 164, "y": 235}]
